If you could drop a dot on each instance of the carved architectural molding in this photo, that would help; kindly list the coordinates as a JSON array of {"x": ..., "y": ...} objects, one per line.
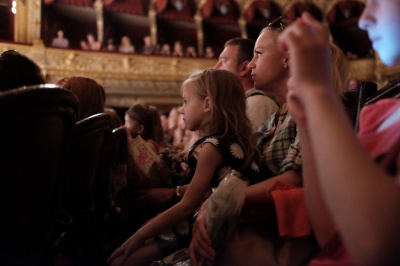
[
  {"x": 150, "y": 79},
  {"x": 126, "y": 78}
]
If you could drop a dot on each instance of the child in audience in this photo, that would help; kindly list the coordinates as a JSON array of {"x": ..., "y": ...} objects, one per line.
[
  {"x": 267, "y": 56},
  {"x": 145, "y": 121},
  {"x": 220, "y": 117},
  {"x": 351, "y": 184}
]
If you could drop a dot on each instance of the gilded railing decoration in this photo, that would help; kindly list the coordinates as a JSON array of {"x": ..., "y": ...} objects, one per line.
[{"x": 151, "y": 79}]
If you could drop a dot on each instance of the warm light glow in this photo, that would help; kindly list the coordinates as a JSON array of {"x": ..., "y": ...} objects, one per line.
[{"x": 14, "y": 7}]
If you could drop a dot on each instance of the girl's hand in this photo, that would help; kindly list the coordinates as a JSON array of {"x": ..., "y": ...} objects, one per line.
[
  {"x": 121, "y": 254},
  {"x": 307, "y": 42}
]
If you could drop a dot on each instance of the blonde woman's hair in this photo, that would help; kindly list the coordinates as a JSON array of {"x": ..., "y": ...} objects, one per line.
[
  {"x": 277, "y": 26},
  {"x": 228, "y": 116},
  {"x": 340, "y": 70}
]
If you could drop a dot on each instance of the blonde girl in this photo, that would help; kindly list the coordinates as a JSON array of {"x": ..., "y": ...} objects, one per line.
[{"x": 213, "y": 104}]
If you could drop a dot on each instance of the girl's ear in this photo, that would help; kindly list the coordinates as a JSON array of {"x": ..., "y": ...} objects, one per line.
[
  {"x": 207, "y": 104},
  {"x": 244, "y": 69},
  {"x": 140, "y": 129}
]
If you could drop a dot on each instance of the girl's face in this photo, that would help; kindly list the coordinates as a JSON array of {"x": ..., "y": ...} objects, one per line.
[
  {"x": 192, "y": 110},
  {"x": 267, "y": 65},
  {"x": 381, "y": 19},
  {"x": 133, "y": 126}
]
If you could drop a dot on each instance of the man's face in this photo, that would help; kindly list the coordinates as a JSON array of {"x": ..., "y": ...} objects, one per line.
[{"x": 228, "y": 59}]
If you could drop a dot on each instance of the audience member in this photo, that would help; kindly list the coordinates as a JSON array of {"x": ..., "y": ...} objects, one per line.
[
  {"x": 178, "y": 49},
  {"x": 338, "y": 192},
  {"x": 110, "y": 46},
  {"x": 353, "y": 84},
  {"x": 164, "y": 123},
  {"x": 84, "y": 45},
  {"x": 235, "y": 57},
  {"x": 175, "y": 130},
  {"x": 219, "y": 115},
  {"x": 126, "y": 45},
  {"x": 191, "y": 52},
  {"x": 145, "y": 121},
  {"x": 165, "y": 50},
  {"x": 279, "y": 145},
  {"x": 117, "y": 122},
  {"x": 60, "y": 41},
  {"x": 17, "y": 70},
  {"x": 90, "y": 94},
  {"x": 92, "y": 43},
  {"x": 148, "y": 48},
  {"x": 209, "y": 52}
]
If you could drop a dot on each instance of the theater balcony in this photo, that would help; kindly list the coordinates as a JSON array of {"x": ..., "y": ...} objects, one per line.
[{"x": 30, "y": 26}]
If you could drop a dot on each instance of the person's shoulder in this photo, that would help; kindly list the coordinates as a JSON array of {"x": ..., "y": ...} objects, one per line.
[{"x": 254, "y": 92}]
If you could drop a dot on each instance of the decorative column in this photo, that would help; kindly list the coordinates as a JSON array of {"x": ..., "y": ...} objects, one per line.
[
  {"x": 27, "y": 21},
  {"x": 242, "y": 25},
  {"x": 198, "y": 19},
  {"x": 153, "y": 22},
  {"x": 242, "y": 22},
  {"x": 98, "y": 6}
]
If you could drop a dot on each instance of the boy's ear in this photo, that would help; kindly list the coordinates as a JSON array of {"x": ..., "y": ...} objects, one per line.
[
  {"x": 244, "y": 68},
  {"x": 207, "y": 104}
]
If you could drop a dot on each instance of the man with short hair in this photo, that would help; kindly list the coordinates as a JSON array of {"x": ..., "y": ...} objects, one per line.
[{"x": 235, "y": 57}]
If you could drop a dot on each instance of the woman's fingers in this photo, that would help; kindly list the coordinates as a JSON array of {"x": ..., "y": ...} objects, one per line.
[{"x": 118, "y": 252}]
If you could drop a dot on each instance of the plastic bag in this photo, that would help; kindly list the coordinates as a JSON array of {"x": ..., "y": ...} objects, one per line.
[{"x": 224, "y": 207}]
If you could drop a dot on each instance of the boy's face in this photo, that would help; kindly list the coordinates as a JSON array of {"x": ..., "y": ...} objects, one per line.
[{"x": 381, "y": 19}]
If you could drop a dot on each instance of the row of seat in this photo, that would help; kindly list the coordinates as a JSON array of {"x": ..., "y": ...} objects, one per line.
[
  {"x": 368, "y": 93},
  {"x": 56, "y": 175}
]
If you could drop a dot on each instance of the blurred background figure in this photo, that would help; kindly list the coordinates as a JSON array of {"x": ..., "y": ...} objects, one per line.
[
  {"x": 191, "y": 52},
  {"x": 178, "y": 49},
  {"x": 92, "y": 43},
  {"x": 110, "y": 46},
  {"x": 126, "y": 45},
  {"x": 148, "y": 48},
  {"x": 209, "y": 52},
  {"x": 60, "y": 41},
  {"x": 352, "y": 84},
  {"x": 84, "y": 45},
  {"x": 165, "y": 50}
]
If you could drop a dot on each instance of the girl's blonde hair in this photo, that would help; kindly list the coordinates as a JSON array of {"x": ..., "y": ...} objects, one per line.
[
  {"x": 228, "y": 116},
  {"x": 340, "y": 70}
]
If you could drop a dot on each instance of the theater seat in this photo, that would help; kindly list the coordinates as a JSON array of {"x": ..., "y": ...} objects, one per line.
[
  {"x": 390, "y": 90},
  {"x": 78, "y": 217},
  {"x": 364, "y": 91},
  {"x": 35, "y": 121}
]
